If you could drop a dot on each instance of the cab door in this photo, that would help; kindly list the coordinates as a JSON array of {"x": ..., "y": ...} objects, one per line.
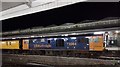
[{"x": 82, "y": 43}]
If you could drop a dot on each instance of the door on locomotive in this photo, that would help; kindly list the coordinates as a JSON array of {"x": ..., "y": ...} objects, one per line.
[
  {"x": 25, "y": 44},
  {"x": 60, "y": 43},
  {"x": 82, "y": 43}
]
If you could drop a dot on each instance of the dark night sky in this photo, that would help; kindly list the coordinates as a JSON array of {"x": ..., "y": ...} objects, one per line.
[{"x": 68, "y": 14}]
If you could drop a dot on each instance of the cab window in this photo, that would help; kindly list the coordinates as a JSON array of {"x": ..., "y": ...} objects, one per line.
[{"x": 96, "y": 39}]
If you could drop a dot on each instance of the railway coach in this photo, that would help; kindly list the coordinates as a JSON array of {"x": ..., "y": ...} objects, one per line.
[
  {"x": 65, "y": 46},
  {"x": 13, "y": 46}
]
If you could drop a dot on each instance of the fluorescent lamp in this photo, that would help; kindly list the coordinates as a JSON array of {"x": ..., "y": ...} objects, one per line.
[
  {"x": 117, "y": 31},
  {"x": 13, "y": 38},
  {"x": 99, "y": 32}
]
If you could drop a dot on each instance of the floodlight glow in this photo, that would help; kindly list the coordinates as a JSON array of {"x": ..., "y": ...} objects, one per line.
[
  {"x": 117, "y": 31},
  {"x": 13, "y": 38},
  {"x": 99, "y": 32},
  {"x": 66, "y": 34},
  {"x": 55, "y": 38},
  {"x": 32, "y": 36},
  {"x": 88, "y": 37},
  {"x": 73, "y": 37},
  {"x": 73, "y": 33},
  {"x": 50, "y": 39}
]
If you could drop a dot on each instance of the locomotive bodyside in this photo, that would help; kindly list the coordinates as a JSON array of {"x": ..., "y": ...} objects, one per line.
[
  {"x": 79, "y": 43},
  {"x": 40, "y": 43},
  {"x": 82, "y": 43}
]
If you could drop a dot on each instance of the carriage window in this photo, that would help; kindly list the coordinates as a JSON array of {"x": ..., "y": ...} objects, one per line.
[
  {"x": 60, "y": 43},
  {"x": 9, "y": 43}
]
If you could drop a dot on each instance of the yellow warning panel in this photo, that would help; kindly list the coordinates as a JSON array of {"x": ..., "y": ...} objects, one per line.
[{"x": 14, "y": 44}]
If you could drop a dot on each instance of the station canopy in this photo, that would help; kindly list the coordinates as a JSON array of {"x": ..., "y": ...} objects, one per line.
[
  {"x": 106, "y": 23},
  {"x": 14, "y": 8}
]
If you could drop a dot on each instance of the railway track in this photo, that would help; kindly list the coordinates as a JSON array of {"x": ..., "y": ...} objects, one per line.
[
  {"x": 109, "y": 58},
  {"x": 100, "y": 57}
]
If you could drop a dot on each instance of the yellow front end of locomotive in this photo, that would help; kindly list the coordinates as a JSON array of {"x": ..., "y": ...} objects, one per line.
[{"x": 96, "y": 43}]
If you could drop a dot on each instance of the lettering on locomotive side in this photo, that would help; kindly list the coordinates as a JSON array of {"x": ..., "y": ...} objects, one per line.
[
  {"x": 71, "y": 43},
  {"x": 42, "y": 46}
]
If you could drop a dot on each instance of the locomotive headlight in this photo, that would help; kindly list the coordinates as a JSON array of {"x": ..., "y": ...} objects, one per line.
[
  {"x": 87, "y": 44},
  {"x": 74, "y": 47}
]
